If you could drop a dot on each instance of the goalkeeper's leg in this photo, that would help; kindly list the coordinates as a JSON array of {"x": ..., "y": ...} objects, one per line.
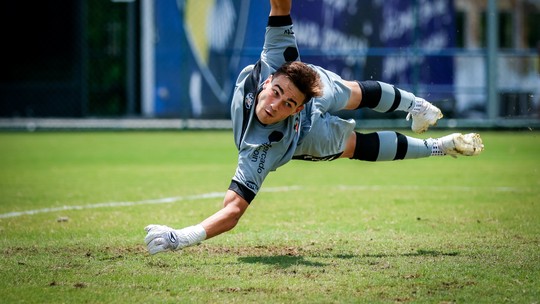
[
  {"x": 390, "y": 145},
  {"x": 385, "y": 98}
]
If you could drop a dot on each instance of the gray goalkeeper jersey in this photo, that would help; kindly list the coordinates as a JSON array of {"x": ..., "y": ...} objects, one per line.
[{"x": 264, "y": 148}]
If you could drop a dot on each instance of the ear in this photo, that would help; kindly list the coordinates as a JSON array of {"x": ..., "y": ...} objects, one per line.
[{"x": 300, "y": 108}]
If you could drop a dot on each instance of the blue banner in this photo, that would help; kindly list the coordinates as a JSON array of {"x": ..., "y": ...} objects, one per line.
[{"x": 203, "y": 44}]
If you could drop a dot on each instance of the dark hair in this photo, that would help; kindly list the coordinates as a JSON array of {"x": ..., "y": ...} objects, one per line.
[{"x": 306, "y": 79}]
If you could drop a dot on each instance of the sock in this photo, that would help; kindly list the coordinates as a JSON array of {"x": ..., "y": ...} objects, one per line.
[
  {"x": 384, "y": 98},
  {"x": 389, "y": 145},
  {"x": 436, "y": 150}
]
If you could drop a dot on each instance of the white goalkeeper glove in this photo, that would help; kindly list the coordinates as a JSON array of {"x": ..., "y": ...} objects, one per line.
[{"x": 161, "y": 238}]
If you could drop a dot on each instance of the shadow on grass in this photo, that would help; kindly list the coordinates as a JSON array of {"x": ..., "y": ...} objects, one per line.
[
  {"x": 283, "y": 261},
  {"x": 419, "y": 252}
]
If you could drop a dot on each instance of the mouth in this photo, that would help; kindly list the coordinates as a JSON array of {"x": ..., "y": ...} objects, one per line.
[{"x": 268, "y": 112}]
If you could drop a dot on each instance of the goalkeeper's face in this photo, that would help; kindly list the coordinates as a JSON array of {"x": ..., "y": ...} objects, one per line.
[{"x": 279, "y": 99}]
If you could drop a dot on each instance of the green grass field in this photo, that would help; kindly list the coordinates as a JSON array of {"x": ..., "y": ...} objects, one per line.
[{"x": 436, "y": 230}]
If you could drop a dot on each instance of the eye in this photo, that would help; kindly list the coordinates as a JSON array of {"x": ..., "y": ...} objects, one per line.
[
  {"x": 288, "y": 104},
  {"x": 275, "y": 92}
]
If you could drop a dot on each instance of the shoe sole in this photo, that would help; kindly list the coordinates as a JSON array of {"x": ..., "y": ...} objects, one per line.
[{"x": 430, "y": 122}]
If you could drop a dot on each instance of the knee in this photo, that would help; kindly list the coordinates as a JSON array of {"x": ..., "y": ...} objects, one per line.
[
  {"x": 355, "y": 99},
  {"x": 350, "y": 146}
]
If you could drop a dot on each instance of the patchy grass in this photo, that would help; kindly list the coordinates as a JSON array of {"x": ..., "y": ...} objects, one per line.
[{"x": 427, "y": 231}]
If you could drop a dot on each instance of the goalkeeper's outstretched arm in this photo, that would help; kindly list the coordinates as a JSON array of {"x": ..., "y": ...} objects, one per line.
[
  {"x": 225, "y": 219},
  {"x": 161, "y": 238}
]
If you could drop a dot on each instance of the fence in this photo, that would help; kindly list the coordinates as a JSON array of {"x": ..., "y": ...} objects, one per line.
[{"x": 88, "y": 63}]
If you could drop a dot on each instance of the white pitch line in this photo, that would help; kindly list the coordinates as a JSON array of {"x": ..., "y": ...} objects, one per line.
[
  {"x": 174, "y": 199},
  {"x": 165, "y": 200}
]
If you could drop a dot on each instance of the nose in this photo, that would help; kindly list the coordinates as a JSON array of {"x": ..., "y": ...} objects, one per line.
[{"x": 274, "y": 105}]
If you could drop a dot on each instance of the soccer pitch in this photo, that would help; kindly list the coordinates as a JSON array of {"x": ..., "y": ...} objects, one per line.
[{"x": 439, "y": 230}]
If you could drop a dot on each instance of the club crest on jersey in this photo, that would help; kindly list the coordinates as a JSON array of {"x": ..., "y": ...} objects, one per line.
[{"x": 248, "y": 101}]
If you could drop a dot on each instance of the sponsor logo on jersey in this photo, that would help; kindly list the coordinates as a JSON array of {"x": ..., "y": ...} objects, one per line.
[
  {"x": 289, "y": 31},
  {"x": 259, "y": 155},
  {"x": 249, "y": 100}
]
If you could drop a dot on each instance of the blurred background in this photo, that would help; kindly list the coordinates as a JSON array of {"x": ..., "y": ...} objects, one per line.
[{"x": 478, "y": 60}]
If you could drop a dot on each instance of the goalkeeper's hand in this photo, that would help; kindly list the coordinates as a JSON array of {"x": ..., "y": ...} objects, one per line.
[{"x": 160, "y": 238}]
